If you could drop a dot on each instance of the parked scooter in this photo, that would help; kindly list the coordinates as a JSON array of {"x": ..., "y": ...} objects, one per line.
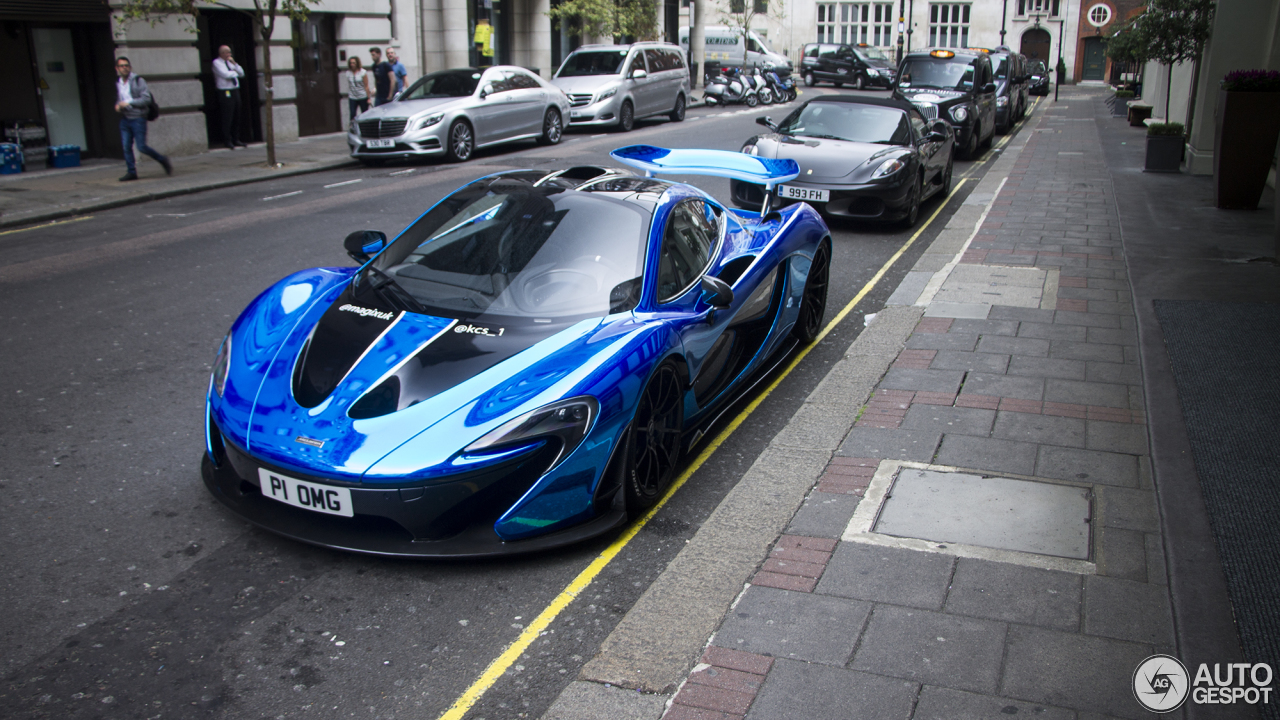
[
  {"x": 784, "y": 88},
  {"x": 758, "y": 81},
  {"x": 730, "y": 87}
]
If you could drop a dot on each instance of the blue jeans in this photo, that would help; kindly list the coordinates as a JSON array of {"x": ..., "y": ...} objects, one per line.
[
  {"x": 358, "y": 106},
  {"x": 135, "y": 130}
]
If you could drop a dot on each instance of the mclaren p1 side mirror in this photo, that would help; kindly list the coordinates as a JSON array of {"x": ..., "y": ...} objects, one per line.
[
  {"x": 716, "y": 292},
  {"x": 767, "y": 122},
  {"x": 363, "y": 244}
]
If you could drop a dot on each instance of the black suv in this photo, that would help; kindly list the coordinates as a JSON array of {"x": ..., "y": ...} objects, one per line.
[
  {"x": 1012, "y": 76},
  {"x": 953, "y": 85},
  {"x": 861, "y": 65}
]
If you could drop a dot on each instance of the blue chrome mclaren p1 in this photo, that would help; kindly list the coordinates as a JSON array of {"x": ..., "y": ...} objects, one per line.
[{"x": 520, "y": 368}]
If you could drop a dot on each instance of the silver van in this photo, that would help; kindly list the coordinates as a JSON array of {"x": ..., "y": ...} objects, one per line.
[
  {"x": 616, "y": 84},
  {"x": 729, "y": 47}
]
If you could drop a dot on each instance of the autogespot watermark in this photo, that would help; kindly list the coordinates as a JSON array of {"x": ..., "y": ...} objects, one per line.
[{"x": 1162, "y": 684}]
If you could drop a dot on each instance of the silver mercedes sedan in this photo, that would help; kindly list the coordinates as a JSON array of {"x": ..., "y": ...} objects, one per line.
[{"x": 453, "y": 112}]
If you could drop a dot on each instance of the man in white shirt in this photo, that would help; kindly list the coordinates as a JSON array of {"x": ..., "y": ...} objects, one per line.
[{"x": 226, "y": 78}]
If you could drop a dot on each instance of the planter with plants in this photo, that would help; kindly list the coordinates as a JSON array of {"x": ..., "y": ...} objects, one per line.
[
  {"x": 1244, "y": 141},
  {"x": 1120, "y": 104},
  {"x": 1165, "y": 142}
]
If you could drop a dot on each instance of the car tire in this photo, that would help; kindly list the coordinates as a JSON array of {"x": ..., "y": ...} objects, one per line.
[
  {"x": 971, "y": 147},
  {"x": 677, "y": 115},
  {"x": 626, "y": 117},
  {"x": 913, "y": 206},
  {"x": 461, "y": 142},
  {"x": 813, "y": 304},
  {"x": 808, "y": 80},
  {"x": 986, "y": 143},
  {"x": 947, "y": 176},
  {"x": 860, "y": 83},
  {"x": 552, "y": 128},
  {"x": 653, "y": 440}
]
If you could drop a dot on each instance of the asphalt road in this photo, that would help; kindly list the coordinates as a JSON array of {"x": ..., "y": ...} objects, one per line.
[{"x": 130, "y": 591}]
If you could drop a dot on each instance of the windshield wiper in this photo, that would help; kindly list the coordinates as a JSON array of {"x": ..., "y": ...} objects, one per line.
[{"x": 393, "y": 292}]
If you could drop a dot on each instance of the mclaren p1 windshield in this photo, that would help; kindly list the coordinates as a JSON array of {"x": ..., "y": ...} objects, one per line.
[{"x": 510, "y": 247}]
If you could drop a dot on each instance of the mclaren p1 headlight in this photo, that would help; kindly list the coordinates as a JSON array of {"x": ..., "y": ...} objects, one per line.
[
  {"x": 960, "y": 113},
  {"x": 566, "y": 420},
  {"x": 887, "y": 168},
  {"x": 221, "y": 364},
  {"x": 428, "y": 121}
]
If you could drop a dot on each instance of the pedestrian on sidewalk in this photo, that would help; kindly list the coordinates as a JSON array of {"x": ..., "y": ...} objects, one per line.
[
  {"x": 400, "y": 73},
  {"x": 226, "y": 78},
  {"x": 357, "y": 87},
  {"x": 382, "y": 73},
  {"x": 133, "y": 100}
]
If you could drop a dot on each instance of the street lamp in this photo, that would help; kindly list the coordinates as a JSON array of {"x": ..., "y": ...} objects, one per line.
[
  {"x": 911, "y": 13},
  {"x": 902, "y": 9},
  {"x": 1004, "y": 13}
]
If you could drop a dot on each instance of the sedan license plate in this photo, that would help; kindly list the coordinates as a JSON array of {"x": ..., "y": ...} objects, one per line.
[
  {"x": 798, "y": 193},
  {"x": 380, "y": 143},
  {"x": 306, "y": 495}
]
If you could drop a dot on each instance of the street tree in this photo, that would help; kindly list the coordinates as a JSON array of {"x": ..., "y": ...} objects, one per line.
[
  {"x": 1175, "y": 31},
  {"x": 263, "y": 13},
  {"x": 741, "y": 14},
  {"x": 616, "y": 19}
]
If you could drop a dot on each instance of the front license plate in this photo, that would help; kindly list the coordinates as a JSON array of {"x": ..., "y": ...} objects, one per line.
[
  {"x": 576, "y": 115},
  {"x": 379, "y": 143},
  {"x": 798, "y": 193},
  {"x": 306, "y": 495}
]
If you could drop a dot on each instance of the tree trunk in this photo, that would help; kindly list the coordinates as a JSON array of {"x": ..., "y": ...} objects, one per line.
[
  {"x": 269, "y": 129},
  {"x": 1168, "y": 90}
]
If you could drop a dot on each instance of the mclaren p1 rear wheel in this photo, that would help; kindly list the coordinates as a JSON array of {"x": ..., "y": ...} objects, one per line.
[
  {"x": 653, "y": 441},
  {"x": 814, "y": 303}
]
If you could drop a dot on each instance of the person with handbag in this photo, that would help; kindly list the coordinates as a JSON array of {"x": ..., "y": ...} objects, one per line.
[
  {"x": 357, "y": 87},
  {"x": 226, "y": 79},
  {"x": 133, "y": 102}
]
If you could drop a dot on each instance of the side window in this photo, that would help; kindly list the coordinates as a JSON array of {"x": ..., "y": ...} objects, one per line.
[
  {"x": 844, "y": 53},
  {"x": 918, "y": 124},
  {"x": 829, "y": 52},
  {"x": 811, "y": 51},
  {"x": 692, "y": 230},
  {"x": 500, "y": 80},
  {"x": 521, "y": 81},
  {"x": 636, "y": 62},
  {"x": 657, "y": 63},
  {"x": 984, "y": 75},
  {"x": 675, "y": 60}
]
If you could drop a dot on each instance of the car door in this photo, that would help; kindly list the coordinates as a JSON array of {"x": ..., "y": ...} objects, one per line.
[
  {"x": 491, "y": 114},
  {"x": 929, "y": 151},
  {"x": 846, "y": 64},
  {"x": 986, "y": 99},
  {"x": 528, "y": 100}
]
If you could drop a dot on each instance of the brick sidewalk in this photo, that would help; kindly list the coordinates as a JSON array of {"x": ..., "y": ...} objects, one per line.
[{"x": 838, "y": 624}]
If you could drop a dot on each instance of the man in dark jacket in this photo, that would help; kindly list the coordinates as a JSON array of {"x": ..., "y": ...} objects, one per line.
[
  {"x": 133, "y": 99},
  {"x": 382, "y": 72}
]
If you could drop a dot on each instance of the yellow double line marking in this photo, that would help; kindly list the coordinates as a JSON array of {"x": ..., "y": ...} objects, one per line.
[
  {"x": 51, "y": 224},
  {"x": 503, "y": 662}
]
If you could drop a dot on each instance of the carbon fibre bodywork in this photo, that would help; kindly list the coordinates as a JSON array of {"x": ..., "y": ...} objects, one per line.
[{"x": 391, "y": 411}]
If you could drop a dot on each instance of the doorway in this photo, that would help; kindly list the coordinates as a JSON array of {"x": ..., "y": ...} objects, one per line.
[
  {"x": 59, "y": 86},
  {"x": 316, "y": 59},
  {"x": 235, "y": 30},
  {"x": 1035, "y": 45},
  {"x": 1095, "y": 58}
]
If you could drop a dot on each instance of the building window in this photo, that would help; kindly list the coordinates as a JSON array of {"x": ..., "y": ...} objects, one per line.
[
  {"x": 759, "y": 7},
  {"x": 854, "y": 23},
  {"x": 949, "y": 25},
  {"x": 1099, "y": 15},
  {"x": 1039, "y": 7}
]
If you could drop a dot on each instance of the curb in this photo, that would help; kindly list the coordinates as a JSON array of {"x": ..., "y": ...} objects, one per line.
[{"x": 83, "y": 208}]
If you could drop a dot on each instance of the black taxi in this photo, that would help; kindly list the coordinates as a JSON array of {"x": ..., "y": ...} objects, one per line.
[{"x": 953, "y": 85}]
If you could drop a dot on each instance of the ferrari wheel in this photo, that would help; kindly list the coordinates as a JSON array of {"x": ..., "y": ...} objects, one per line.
[
  {"x": 814, "y": 303},
  {"x": 461, "y": 142},
  {"x": 626, "y": 117},
  {"x": 653, "y": 441},
  {"x": 552, "y": 128},
  {"x": 913, "y": 210}
]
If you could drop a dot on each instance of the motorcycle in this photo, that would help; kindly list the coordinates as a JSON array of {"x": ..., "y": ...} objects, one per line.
[
  {"x": 730, "y": 87},
  {"x": 758, "y": 81},
  {"x": 784, "y": 88}
]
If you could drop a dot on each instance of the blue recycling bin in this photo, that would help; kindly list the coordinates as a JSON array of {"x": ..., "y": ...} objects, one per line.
[
  {"x": 63, "y": 156},
  {"x": 11, "y": 162}
]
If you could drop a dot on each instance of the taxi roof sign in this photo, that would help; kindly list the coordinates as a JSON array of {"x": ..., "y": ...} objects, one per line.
[{"x": 942, "y": 54}]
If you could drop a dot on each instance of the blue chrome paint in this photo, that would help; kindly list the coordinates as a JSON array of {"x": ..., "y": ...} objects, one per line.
[{"x": 717, "y": 163}]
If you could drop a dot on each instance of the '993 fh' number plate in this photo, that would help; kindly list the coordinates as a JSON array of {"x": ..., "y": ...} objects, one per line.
[{"x": 305, "y": 495}]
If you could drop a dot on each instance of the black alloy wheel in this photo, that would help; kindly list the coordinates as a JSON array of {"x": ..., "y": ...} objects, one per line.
[
  {"x": 913, "y": 208},
  {"x": 861, "y": 83},
  {"x": 653, "y": 440},
  {"x": 462, "y": 143},
  {"x": 677, "y": 115},
  {"x": 552, "y": 128},
  {"x": 814, "y": 303},
  {"x": 626, "y": 117}
]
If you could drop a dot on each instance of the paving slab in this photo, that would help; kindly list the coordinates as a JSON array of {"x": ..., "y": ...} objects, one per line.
[
  {"x": 1106, "y": 468},
  {"x": 1121, "y": 554},
  {"x": 1015, "y": 593},
  {"x": 592, "y": 701},
  {"x": 888, "y": 575},
  {"x": 1022, "y": 388},
  {"x": 803, "y": 691},
  {"x": 823, "y": 515},
  {"x": 1013, "y": 345},
  {"x": 890, "y": 443},
  {"x": 1127, "y": 610},
  {"x": 1049, "y": 331},
  {"x": 797, "y": 625},
  {"x": 1129, "y": 509},
  {"x": 943, "y": 419},
  {"x": 943, "y": 381},
  {"x": 1072, "y": 670},
  {"x": 1043, "y": 367},
  {"x": 1117, "y": 437},
  {"x": 939, "y": 703},
  {"x": 994, "y": 512},
  {"x": 1042, "y": 429},
  {"x": 993, "y": 454},
  {"x": 954, "y": 341},
  {"x": 977, "y": 311},
  {"x": 970, "y": 361},
  {"x": 935, "y": 648}
]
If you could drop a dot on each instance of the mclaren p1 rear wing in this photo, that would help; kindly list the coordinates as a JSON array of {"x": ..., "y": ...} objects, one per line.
[{"x": 718, "y": 163}]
